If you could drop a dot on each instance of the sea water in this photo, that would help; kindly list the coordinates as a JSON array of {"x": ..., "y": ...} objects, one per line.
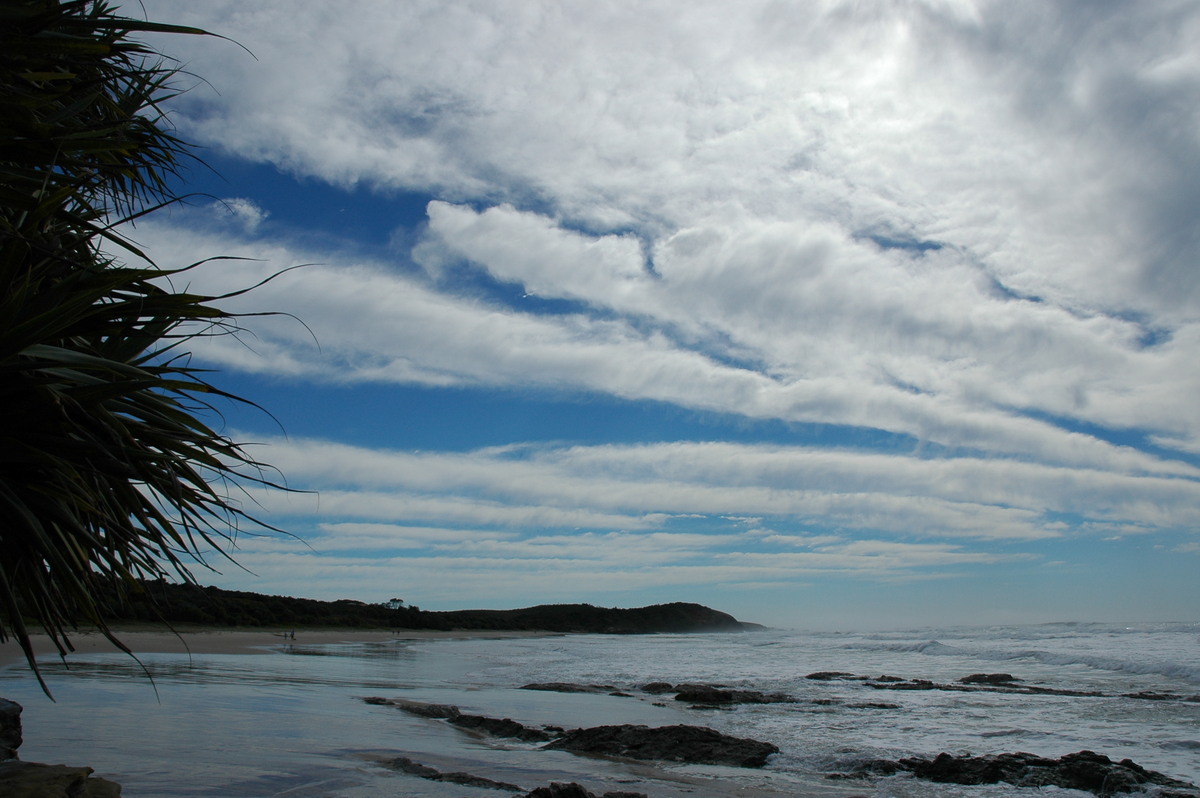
[{"x": 293, "y": 723}]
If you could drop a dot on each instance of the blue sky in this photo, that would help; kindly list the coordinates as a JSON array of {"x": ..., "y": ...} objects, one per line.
[{"x": 826, "y": 314}]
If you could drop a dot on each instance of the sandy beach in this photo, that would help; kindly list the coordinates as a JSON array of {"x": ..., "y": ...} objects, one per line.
[{"x": 207, "y": 640}]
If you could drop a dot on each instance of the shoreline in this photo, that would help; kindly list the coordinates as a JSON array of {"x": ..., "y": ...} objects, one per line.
[{"x": 234, "y": 640}]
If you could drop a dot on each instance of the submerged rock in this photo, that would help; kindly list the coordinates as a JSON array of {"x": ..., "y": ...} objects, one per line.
[
  {"x": 568, "y": 687},
  {"x": 691, "y": 744},
  {"x": 402, "y": 764}
]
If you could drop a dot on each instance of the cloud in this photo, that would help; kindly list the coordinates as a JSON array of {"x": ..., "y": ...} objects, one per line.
[
  {"x": 1032, "y": 136},
  {"x": 473, "y": 570},
  {"x": 727, "y": 198},
  {"x": 650, "y": 487},
  {"x": 246, "y": 213},
  {"x": 377, "y": 324},
  {"x": 966, "y": 229}
]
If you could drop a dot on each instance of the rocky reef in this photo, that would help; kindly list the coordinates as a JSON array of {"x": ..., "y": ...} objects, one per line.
[
  {"x": 676, "y": 743},
  {"x": 695, "y": 745},
  {"x": 1086, "y": 771}
]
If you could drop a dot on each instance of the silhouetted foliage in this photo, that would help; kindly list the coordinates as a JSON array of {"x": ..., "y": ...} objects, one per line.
[
  {"x": 108, "y": 472},
  {"x": 189, "y": 603}
]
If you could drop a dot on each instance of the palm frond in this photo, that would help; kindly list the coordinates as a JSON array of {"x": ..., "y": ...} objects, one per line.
[{"x": 108, "y": 472}]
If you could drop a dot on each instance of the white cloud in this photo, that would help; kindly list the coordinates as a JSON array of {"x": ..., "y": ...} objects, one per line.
[
  {"x": 246, "y": 213},
  {"x": 965, "y": 224},
  {"x": 375, "y": 324},
  {"x": 759, "y": 157},
  {"x": 1032, "y": 136},
  {"x": 651, "y": 487}
]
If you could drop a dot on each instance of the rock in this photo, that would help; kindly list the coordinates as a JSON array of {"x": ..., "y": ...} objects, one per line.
[
  {"x": 690, "y": 744},
  {"x": 829, "y": 676},
  {"x": 980, "y": 682},
  {"x": 558, "y": 789},
  {"x": 1085, "y": 770},
  {"x": 32, "y": 780},
  {"x": 573, "y": 790},
  {"x": 504, "y": 727},
  {"x": 988, "y": 678},
  {"x": 403, "y": 764},
  {"x": 10, "y": 728},
  {"x": 437, "y": 711},
  {"x": 657, "y": 688},
  {"x": 567, "y": 687},
  {"x": 707, "y": 694},
  {"x": 1152, "y": 695}
]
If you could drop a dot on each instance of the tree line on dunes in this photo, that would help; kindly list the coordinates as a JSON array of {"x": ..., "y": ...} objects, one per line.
[{"x": 161, "y": 601}]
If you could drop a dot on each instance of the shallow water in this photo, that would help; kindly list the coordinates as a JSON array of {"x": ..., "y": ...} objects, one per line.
[{"x": 292, "y": 723}]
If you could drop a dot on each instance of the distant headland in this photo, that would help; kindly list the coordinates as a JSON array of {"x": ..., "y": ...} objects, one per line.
[{"x": 161, "y": 601}]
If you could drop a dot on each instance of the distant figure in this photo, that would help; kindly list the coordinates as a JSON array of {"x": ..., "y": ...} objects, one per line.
[{"x": 293, "y": 634}]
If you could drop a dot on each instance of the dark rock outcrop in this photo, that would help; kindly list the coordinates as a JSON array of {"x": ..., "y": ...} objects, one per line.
[
  {"x": 690, "y": 744},
  {"x": 32, "y": 780},
  {"x": 402, "y": 764},
  {"x": 10, "y": 728},
  {"x": 1085, "y": 770},
  {"x": 572, "y": 790},
  {"x": 500, "y": 727},
  {"x": 436, "y": 711},
  {"x": 658, "y": 688},
  {"x": 709, "y": 694},
  {"x": 496, "y": 727},
  {"x": 976, "y": 682},
  {"x": 989, "y": 678}
]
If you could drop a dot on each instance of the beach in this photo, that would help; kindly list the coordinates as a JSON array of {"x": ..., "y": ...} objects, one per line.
[
  {"x": 209, "y": 640},
  {"x": 253, "y": 714}
]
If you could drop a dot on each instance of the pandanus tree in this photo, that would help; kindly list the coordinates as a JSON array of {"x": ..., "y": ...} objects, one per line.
[{"x": 110, "y": 469}]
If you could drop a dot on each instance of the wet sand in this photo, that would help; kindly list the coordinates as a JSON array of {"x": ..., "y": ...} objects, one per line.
[{"x": 208, "y": 640}]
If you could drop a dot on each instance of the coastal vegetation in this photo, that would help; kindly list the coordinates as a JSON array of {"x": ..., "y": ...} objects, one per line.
[
  {"x": 110, "y": 470},
  {"x": 162, "y": 601}
]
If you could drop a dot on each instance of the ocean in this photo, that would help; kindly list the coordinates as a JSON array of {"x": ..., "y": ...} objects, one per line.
[{"x": 293, "y": 722}]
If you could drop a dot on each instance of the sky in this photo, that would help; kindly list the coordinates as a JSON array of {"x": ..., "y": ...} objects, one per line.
[{"x": 836, "y": 315}]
